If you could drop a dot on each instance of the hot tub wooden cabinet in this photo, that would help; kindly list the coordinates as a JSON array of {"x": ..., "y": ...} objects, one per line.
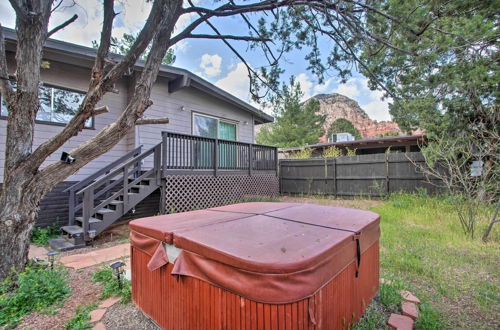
[{"x": 256, "y": 266}]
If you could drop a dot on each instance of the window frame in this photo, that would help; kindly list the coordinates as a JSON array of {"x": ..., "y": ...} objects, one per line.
[
  {"x": 219, "y": 119},
  {"x": 46, "y": 122}
]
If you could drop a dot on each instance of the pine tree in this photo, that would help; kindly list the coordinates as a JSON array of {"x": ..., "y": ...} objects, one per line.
[{"x": 296, "y": 124}]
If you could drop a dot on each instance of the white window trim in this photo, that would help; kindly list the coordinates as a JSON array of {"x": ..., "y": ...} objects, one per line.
[{"x": 219, "y": 119}]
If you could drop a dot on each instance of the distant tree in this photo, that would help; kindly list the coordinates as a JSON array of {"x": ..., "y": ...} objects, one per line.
[
  {"x": 122, "y": 46},
  {"x": 297, "y": 124},
  {"x": 343, "y": 125}
]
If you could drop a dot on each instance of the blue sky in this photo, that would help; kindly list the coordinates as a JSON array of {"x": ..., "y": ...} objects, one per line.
[{"x": 210, "y": 59}]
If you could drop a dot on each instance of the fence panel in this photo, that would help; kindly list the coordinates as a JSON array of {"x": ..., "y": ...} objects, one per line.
[{"x": 364, "y": 175}]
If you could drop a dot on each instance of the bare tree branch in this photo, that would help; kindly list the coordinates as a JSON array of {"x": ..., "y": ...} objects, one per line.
[
  {"x": 62, "y": 26},
  {"x": 155, "y": 121},
  {"x": 227, "y": 36}
]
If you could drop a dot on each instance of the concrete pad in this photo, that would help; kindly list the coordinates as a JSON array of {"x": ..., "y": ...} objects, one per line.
[
  {"x": 96, "y": 257},
  {"x": 37, "y": 252}
]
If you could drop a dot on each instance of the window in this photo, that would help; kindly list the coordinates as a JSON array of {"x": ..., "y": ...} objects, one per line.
[
  {"x": 56, "y": 105},
  {"x": 214, "y": 128}
]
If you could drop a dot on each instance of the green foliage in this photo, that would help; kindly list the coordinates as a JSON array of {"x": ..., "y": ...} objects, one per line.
[
  {"x": 41, "y": 236},
  {"x": 35, "y": 289},
  {"x": 444, "y": 71},
  {"x": 81, "y": 321},
  {"x": 305, "y": 153},
  {"x": 122, "y": 46},
  {"x": 333, "y": 152},
  {"x": 390, "y": 295},
  {"x": 343, "y": 125},
  {"x": 374, "y": 317},
  {"x": 428, "y": 318},
  {"x": 422, "y": 244},
  {"x": 296, "y": 124},
  {"x": 106, "y": 277}
]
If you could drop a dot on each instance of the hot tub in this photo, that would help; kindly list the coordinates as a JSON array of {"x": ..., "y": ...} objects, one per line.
[{"x": 256, "y": 266}]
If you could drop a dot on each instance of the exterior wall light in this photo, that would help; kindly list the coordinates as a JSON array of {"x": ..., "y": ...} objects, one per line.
[
  {"x": 182, "y": 108},
  {"x": 67, "y": 158},
  {"x": 51, "y": 256},
  {"x": 118, "y": 271}
]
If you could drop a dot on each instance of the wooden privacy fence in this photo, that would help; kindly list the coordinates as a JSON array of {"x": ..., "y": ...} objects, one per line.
[{"x": 372, "y": 175}]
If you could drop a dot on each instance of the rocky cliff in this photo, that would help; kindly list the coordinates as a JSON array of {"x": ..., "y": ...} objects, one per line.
[{"x": 336, "y": 106}]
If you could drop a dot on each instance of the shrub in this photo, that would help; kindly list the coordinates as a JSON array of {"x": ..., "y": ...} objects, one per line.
[
  {"x": 305, "y": 153},
  {"x": 111, "y": 286},
  {"x": 31, "y": 290},
  {"x": 334, "y": 152},
  {"x": 81, "y": 320},
  {"x": 41, "y": 236}
]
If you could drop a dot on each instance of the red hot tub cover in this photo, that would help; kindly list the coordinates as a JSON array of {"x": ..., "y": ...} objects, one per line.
[{"x": 268, "y": 252}]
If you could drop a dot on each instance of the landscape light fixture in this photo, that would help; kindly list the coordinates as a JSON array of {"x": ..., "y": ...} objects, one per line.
[
  {"x": 118, "y": 271},
  {"x": 51, "y": 255},
  {"x": 67, "y": 158}
]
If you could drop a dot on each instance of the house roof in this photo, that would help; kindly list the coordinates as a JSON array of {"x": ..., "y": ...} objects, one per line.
[
  {"x": 367, "y": 143},
  {"x": 178, "y": 78}
]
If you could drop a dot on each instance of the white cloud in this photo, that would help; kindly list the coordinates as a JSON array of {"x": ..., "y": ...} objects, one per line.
[
  {"x": 377, "y": 108},
  {"x": 210, "y": 64},
  {"x": 305, "y": 85},
  {"x": 321, "y": 88},
  {"x": 236, "y": 82},
  {"x": 350, "y": 89}
]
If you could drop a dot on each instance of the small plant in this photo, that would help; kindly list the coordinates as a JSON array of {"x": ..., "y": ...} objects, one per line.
[
  {"x": 305, "y": 153},
  {"x": 332, "y": 152},
  {"x": 32, "y": 290},
  {"x": 111, "y": 285},
  {"x": 390, "y": 295},
  {"x": 41, "y": 236},
  {"x": 81, "y": 320}
]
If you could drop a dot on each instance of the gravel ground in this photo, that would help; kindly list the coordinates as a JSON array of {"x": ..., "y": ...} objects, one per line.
[{"x": 127, "y": 317}]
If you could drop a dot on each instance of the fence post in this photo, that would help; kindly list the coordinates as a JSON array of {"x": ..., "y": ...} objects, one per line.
[
  {"x": 276, "y": 160},
  {"x": 334, "y": 165},
  {"x": 387, "y": 189},
  {"x": 216, "y": 156}
]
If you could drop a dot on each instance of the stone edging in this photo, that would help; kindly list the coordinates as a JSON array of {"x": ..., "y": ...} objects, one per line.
[
  {"x": 97, "y": 314},
  {"x": 409, "y": 309}
]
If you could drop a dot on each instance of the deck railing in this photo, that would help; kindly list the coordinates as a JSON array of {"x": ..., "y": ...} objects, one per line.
[{"x": 184, "y": 153}]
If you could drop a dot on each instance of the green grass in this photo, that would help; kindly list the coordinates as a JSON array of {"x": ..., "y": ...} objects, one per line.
[
  {"x": 423, "y": 245},
  {"x": 81, "y": 321},
  {"x": 35, "y": 289}
]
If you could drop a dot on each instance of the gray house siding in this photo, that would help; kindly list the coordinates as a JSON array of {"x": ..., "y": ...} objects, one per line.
[{"x": 72, "y": 77}]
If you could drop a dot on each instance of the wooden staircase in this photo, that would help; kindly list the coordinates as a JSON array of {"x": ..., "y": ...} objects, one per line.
[{"x": 104, "y": 197}]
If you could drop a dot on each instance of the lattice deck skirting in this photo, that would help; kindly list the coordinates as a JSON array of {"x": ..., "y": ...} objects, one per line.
[{"x": 192, "y": 192}]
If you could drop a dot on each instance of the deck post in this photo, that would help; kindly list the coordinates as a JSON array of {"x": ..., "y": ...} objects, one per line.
[
  {"x": 157, "y": 164},
  {"x": 71, "y": 207},
  {"x": 125, "y": 187},
  {"x": 216, "y": 156},
  {"x": 88, "y": 210},
  {"x": 250, "y": 159}
]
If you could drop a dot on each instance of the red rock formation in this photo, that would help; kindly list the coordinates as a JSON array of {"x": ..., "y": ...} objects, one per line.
[{"x": 336, "y": 106}]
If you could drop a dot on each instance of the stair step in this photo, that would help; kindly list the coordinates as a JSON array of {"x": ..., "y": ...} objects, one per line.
[
  {"x": 62, "y": 244},
  {"x": 116, "y": 202},
  {"x": 91, "y": 219},
  {"x": 73, "y": 230},
  {"x": 103, "y": 211}
]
